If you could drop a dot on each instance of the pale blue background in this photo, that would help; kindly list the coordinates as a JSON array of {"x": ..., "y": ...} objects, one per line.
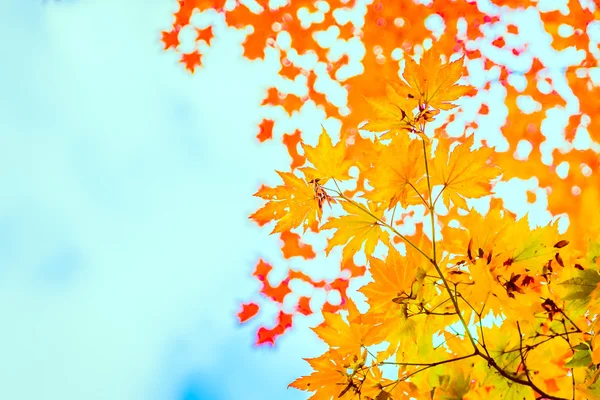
[{"x": 125, "y": 247}]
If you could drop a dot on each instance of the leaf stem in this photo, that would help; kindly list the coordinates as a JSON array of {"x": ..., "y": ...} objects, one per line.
[
  {"x": 428, "y": 365},
  {"x": 431, "y": 208},
  {"x": 434, "y": 258},
  {"x": 420, "y": 195}
]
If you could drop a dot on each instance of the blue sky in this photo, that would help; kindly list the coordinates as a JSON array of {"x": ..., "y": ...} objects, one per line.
[{"x": 125, "y": 248}]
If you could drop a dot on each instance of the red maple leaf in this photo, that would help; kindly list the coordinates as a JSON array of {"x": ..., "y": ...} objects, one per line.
[
  {"x": 205, "y": 34},
  {"x": 170, "y": 39},
  {"x": 248, "y": 311},
  {"x": 293, "y": 246},
  {"x": 303, "y": 306},
  {"x": 291, "y": 142},
  {"x": 262, "y": 270},
  {"x": 266, "y": 130},
  {"x": 268, "y": 335},
  {"x": 191, "y": 60}
]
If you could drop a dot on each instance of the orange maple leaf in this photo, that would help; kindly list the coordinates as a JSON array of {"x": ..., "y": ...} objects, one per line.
[
  {"x": 292, "y": 204},
  {"x": 435, "y": 83}
]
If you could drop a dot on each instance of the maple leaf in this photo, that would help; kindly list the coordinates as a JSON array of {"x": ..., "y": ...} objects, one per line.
[
  {"x": 435, "y": 83},
  {"x": 291, "y": 142},
  {"x": 501, "y": 258},
  {"x": 589, "y": 390},
  {"x": 267, "y": 335},
  {"x": 580, "y": 288},
  {"x": 526, "y": 249},
  {"x": 452, "y": 386},
  {"x": 392, "y": 279},
  {"x": 293, "y": 246},
  {"x": 265, "y": 130},
  {"x": 192, "y": 60},
  {"x": 205, "y": 34},
  {"x": 408, "y": 336},
  {"x": 479, "y": 235},
  {"x": 430, "y": 87},
  {"x": 328, "y": 160},
  {"x": 394, "y": 112},
  {"x": 344, "y": 336},
  {"x": 482, "y": 276},
  {"x": 462, "y": 172},
  {"x": 359, "y": 227},
  {"x": 330, "y": 378},
  {"x": 248, "y": 311},
  {"x": 398, "y": 284},
  {"x": 292, "y": 204},
  {"x": 397, "y": 172},
  {"x": 170, "y": 39},
  {"x": 374, "y": 383}
]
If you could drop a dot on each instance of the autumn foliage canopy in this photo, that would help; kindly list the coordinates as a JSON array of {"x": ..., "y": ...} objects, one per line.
[{"x": 445, "y": 102}]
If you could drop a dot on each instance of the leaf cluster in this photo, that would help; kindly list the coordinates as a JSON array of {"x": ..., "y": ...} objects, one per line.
[{"x": 475, "y": 306}]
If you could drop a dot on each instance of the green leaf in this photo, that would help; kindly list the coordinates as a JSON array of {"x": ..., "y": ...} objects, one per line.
[
  {"x": 580, "y": 287},
  {"x": 581, "y": 358},
  {"x": 582, "y": 346},
  {"x": 593, "y": 252}
]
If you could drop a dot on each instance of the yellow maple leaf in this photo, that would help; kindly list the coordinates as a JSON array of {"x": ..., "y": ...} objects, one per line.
[
  {"x": 486, "y": 231},
  {"x": 589, "y": 389},
  {"x": 528, "y": 250},
  {"x": 392, "y": 279},
  {"x": 330, "y": 378},
  {"x": 545, "y": 359},
  {"x": 483, "y": 278},
  {"x": 478, "y": 235},
  {"x": 397, "y": 174},
  {"x": 453, "y": 384},
  {"x": 328, "y": 160},
  {"x": 292, "y": 204},
  {"x": 596, "y": 348},
  {"x": 344, "y": 336},
  {"x": 374, "y": 384},
  {"x": 462, "y": 172},
  {"x": 394, "y": 112},
  {"x": 409, "y": 337},
  {"x": 357, "y": 228}
]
